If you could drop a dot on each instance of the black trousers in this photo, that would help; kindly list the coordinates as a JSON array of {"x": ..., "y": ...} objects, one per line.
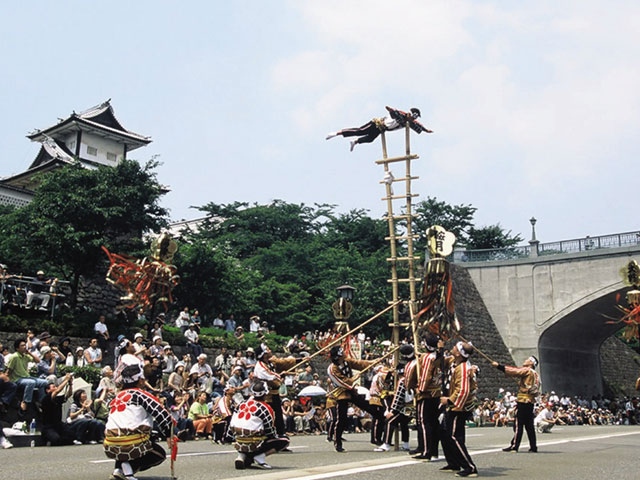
[
  {"x": 453, "y": 442},
  {"x": 524, "y": 421},
  {"x": 275, "y": 402},
  {"x": 377, "y": 425},
  {"x": 428, "y": 426},
  {"x": 367, "y": 132},
  {"x": 341, "y": 419}
]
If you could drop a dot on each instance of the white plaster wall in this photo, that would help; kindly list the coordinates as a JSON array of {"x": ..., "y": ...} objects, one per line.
[{"x": 103, "y": 145}]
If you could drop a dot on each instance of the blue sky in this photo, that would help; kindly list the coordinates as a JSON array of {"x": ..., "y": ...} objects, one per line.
[{"x": 534, "y": 105}]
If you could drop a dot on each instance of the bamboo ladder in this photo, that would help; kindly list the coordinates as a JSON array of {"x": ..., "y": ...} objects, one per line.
[{"x": 400, "y": 231}]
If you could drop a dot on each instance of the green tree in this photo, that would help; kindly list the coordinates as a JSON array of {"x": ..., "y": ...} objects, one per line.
[
  {"x": 76, "y": 211},
  {"x": 490, "y": 237},
  {"x": 457, "y": 219}
]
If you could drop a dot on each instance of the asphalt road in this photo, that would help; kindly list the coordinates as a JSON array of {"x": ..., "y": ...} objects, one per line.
[{"x": 567, "y": 453}]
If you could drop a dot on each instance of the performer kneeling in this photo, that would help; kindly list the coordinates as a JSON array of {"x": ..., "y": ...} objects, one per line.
[
  {"x": 253, "y": 426},
  {"x": 132, "y": 415}
]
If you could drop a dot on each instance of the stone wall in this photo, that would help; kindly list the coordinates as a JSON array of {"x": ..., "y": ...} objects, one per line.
[
  {"x": 620, "y": 364},
  {"x": 98, "y": 295},
  {"x": 479, "y": 329}
]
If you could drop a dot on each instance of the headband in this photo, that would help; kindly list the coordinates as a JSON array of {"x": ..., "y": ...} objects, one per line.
[
  {"x": 460, "y": 347},
  {"x": 533, "y": 360}
]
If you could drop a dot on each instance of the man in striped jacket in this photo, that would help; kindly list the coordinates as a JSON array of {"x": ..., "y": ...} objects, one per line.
[
  {"x": 528, "y": 391},
  {"x": 426, "y": 381},
  {"x": 459, "y": 405}
]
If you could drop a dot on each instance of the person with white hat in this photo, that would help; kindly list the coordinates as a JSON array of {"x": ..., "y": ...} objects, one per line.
[{"x": 528, "y": 392}]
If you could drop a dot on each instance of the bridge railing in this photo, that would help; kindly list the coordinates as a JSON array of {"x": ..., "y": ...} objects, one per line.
[{"x": 585, "y": 244}]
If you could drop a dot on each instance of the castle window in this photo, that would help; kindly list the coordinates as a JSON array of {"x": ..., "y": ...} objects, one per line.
[
  {"x": 92, "y": 151},
  {"x": 112, "y": 156}
]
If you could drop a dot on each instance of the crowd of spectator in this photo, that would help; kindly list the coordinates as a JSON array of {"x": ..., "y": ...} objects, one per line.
[{"x": 202, "y": 391}]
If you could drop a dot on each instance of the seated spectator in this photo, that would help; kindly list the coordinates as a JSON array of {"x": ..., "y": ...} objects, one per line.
[
  {"x": 47, "y": 367},
  {"x": 193, "y": 341},
  {"x": 79, "y": 359},
  {"x": 39, "y": 290},
  {"x": 239, "y": 384},
  {"x": 7, "y": 387},
  {"x": 185, "y": 430},
  {"x": 305, "y": 378},
  {"x": 18, "y": 371},
  {"x": 201, "y": 417},
  {"x": 183, "y": 320},
  {"x": 287, "y": 415},
  {"x": 250, "y": 358},
  {"x": 239, "y": 333},
  {"x": 169, "y": 361},
  {"x": 53, "y": 430},
  {"x": 222, "y": 410},
  {"x": 140, "y": 348},
  {"x": 107, "y": 386},
  {"x": 177, "y": 380},
  {"x": 82, "y": 420},
  {"x": 156, "y": 328},
  {"x": 203, "y": 372},
  {"x": 254, "y": 324},
  {"x": 239, "y": 361},
  {"x": 153, "y": 375},
  {"x": 300, "y": 416},
  {"x": 101, "y": 332},
  {"x": 156, "y": 348},
  {"x": 218, "y": 322},
  {"x": 65, "y": 348},
  {"x": 93, "y": 354},
  {"x": 545, "y": 420}
]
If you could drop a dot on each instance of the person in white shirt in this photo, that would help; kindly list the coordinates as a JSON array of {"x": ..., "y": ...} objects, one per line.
[
  {"x": 193, "y": 341},
  {"x": 102, "y": 333},
  {"x": 545, "y": 420},
  {"x": 183, "y": 320},
  {"x": 93, "y": 354}
]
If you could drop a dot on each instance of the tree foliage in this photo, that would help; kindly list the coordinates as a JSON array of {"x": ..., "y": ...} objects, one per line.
[
  {"x": 457, "y": 219},
  {"x": 490, "y": 237},
  {"x": 76, "y": 211}
]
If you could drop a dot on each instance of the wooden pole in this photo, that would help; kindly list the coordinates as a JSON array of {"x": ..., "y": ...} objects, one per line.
[{"x": 343, "y": 336}]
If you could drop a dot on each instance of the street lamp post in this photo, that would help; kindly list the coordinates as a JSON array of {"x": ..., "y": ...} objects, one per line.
[
  {"x": 342, "y": 307},
  {"x": 533, "y": 243}
]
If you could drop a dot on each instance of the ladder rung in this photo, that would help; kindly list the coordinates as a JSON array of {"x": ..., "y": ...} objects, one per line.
[
  {"x": 401, "y": 179},
  {"x": 402, "y": 259},
  {"x": 396, "y": 197},
  {"x": 401, "y": 280},
  {"x": 397, "y": 159},
  {"x": 403, "y": 237}
]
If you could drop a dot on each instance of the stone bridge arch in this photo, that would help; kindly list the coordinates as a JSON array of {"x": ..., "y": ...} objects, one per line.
[
  {"x": 569, "y": 349},
  {"x": 555, "y": 307}
]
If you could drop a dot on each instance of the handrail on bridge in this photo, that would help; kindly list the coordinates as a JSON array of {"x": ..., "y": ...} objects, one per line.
[{"x": 584, "y": 244}]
